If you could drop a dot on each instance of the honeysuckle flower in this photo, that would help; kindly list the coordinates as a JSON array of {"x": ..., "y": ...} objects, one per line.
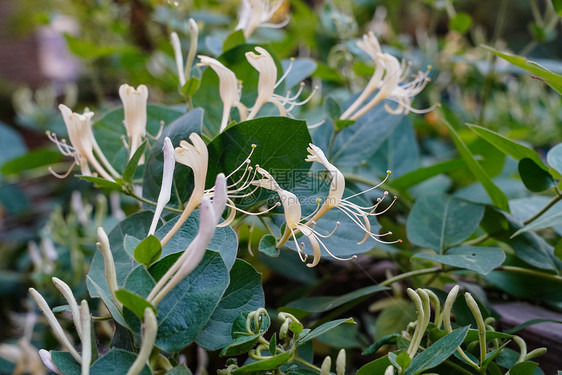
[
  {"x": 109, "y": 265},
  {"x": 389, "y": 73},
  {"x": 229, "y": 89},
  {"x": 293, "y": 217},
  {"x": 358, "y": 214},
  {"x": 184, "y": 70},
  {"x": 167, "y": 179},
  {"x": 134, "y": 106},
  {"x": 340, "y": 362},
  {"x": 258, "y": 13},
  {"x": 267, "y": 82},
  {"x": 195, "y": 156},
  {"x": 150, "y": 329},
  {"x": 86, "y": 338},
  {"x": 326, "y": 366},
  {"x": 69, "y": 296},
  {"x": 45, "y": 356},
  {"x": 53, "y": 322},
  {"x": 79, "y": 128},
  {"x": 209, "y": 215}
]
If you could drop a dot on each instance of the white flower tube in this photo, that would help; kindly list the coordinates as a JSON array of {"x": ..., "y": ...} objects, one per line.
[
  {"x": 167, "y": 179},
  {"x": 134, "y": 106}
]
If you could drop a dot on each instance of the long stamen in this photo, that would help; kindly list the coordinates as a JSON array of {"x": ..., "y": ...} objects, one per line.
[
  {"x": 291, "y": 63},
  {"x": 388, "y": 172},
  {"x": 324, "y": 235}
]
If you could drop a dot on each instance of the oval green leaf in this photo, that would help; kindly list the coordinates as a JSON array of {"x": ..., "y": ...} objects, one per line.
[{"x": 533, "y": 176}]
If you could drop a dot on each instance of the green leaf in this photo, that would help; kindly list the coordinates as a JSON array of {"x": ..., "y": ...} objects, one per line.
[
  {"x": 136, "y": 225},
  {"x": 399, "y": 153},
  {"x": 33, "y": 159},
  {"x": 376, "y": 367},
  {"x": 558, "y": 7},
  {"x": 530, "y": 323},
  {"x": 281, "y": 146},
  {"x": 323, "y": 329},
  {"x": 533, "y": 176},
  {"x": 355, "y": 144},
  {"x": 441, "y": 221},
  {"x": 552, "y": 79},
  {"x": 268, "y": 246},
  {"x": 66, "y": 363},
  {"x": 554, "y": 158},
  {"x": 496, "y": 195},
  {"x": 403, "y": 360},
  {"x": 332, "y": 109},
  {"x": 273, "y": 344},
  {"x": 421, "y": 174},
  {"x": 133, "y": 163},
  {"x": 386, "y": 339},
  {"x": 90, "y": 50},
  {"x": 475, "y": 258},
  {"x": 148, "y": 250},
  {"x": 185, "y": 310},
  {"x": 506, "y": 145},
  {"x": 137, "y": 287},
  {"x": 11, "y": 144},
  {"x": 240, "y": 345},
  {"x": 438, "y": 352},
  {"x": 134, "y": 302},
  {"x": 527, "y": 286},
  {"x": 190, "y": 87},
  {"x": 234, "y": 39},
  {"x": 102, "y": 183},
  {"x": 116, "y": 362},
  {"x": 260, "y": 367},
  {"x": 244, "y": 293},
  {"x": 460, "y": 22},
  {"x": 342, "y": 124},
  {"x": 322, "y": 304},
  {"x": 523, "y": 368},
  {"x": 178, "y": 130},
  {"x": 547, "y": 220},
  {"x": 179, "y": 370}
]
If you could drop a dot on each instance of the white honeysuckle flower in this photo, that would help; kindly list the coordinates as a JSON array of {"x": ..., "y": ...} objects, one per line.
[
  {"x": 167, "y": 179},
  {"x": 48, "y": 361},
  {"x": 209, "y": 215},
  {"x": 267, "y": 82},
  {"x": 229, "y": 88},
  {"x": 83, "y": 145},
  {"x": 53, "y": 322},
  {"x": 134, "y": 106},
  {"x": 185, "y": 70},
  {"x": 72, "y": 304},
  {"x": 149, "y": 332},
  {"x": 196, "y": 156},
  {"x": 86, "y": 337},
  {"x": 358, "y": 214},
  {"x": 293, "y": 217},
  {"x": 388, "y": 79},
  {"x": 176, "y": 46},
  {"x": 258, "y": 13}
]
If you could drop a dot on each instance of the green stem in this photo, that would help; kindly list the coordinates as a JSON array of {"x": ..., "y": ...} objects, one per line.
[
  {"x": 476, "y": 240},
  {"x": 531, "y": 272},
  {"x": 303, "y": 362},
  {"x": 144, "y": 200},
  {"x": 407, "y": 275},
  {"x": 544, "y": 209}
]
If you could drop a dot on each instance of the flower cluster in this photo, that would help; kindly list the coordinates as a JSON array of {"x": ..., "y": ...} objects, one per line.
[
  {"x": 388, "y": 78},
  {"x": 295, "y": 223},
  {"x": 230, "y": 89},
  {"x": 84, "y": 147}
]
